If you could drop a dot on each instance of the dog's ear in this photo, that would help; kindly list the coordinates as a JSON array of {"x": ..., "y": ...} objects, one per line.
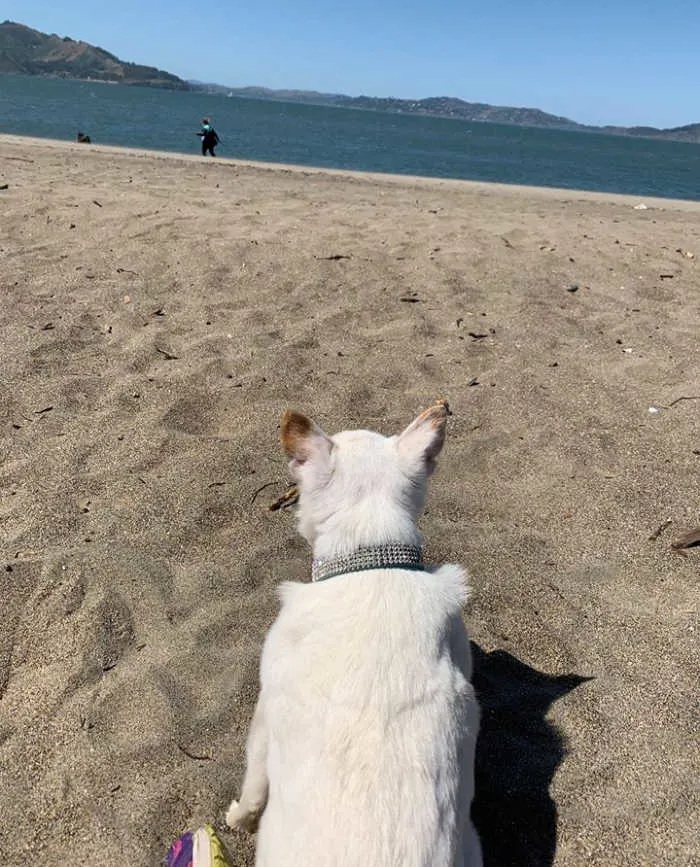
[
  {"x": 423, "y": 439},
  {"x": 302, "y": 439}
]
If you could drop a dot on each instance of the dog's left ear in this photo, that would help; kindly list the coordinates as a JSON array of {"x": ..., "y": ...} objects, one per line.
[
  {"x": 302, "y": 439},
  {"x": 423, "y": 439}
]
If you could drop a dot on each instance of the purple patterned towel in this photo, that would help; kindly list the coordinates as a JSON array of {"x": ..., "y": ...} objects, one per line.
[{"x": 200, "y": 848}]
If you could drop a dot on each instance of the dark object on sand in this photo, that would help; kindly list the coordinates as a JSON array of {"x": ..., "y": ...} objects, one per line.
[
  {"x": 83, "y": 139},
  {"x": 688, "y": 540},
  {"x": 659, "y": 530},
  {"x": 289, "y": 498}
]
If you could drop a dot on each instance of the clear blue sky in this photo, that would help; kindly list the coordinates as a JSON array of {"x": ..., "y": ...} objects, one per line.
[{"x": 595, "y": 61}]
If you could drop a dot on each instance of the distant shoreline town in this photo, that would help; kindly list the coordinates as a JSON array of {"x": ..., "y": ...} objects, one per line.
[{"x": 25, "y": 51}]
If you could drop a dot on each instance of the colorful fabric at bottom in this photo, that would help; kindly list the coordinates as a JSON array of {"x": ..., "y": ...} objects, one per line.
[
  {"x": 200, "y": 848},
  {"x": 181, "y": 853}
]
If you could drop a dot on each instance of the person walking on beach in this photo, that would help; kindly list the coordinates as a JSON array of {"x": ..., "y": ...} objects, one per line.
[{"x": 209, "y": 137}]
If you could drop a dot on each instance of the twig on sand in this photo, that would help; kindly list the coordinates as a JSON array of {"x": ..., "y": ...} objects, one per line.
[
  {"x": 442, "y": 401},
  {"x": 684, "y": 397},
  {"x": 288, "y": 498},
  {"x": 261, "y": 488},
  {"x": 169, "y": 356},
  {"x": 659, "y": 530},
  {"x": 688, "y": 540},
  {"x": 194, "y": 756}
]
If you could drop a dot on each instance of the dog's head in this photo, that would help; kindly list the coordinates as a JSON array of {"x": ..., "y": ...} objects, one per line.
[{"x": 359, "y": 487}]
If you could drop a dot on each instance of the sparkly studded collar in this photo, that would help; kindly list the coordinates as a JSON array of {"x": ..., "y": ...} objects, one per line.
[{"x": 379, "y": 557}]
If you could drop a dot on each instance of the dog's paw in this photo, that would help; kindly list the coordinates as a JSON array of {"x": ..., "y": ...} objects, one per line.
[
  {"x": 238, "y": 817},
  {"x": 234, "y": 814}
]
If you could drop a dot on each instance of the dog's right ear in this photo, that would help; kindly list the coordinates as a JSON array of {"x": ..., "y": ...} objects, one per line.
[
  {"x": 423, "y": 439},
  {"x": 303, "y": 440}
]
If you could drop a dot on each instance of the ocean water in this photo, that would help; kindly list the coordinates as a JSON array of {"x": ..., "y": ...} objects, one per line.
[{"x": 349, "y": 139}]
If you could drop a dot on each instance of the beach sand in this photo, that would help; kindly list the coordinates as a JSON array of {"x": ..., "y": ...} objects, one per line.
[{"x": 159, "y": 313}]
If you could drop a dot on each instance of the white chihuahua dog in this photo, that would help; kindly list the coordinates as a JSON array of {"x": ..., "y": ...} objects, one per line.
[{"x": 361, "y": 748}]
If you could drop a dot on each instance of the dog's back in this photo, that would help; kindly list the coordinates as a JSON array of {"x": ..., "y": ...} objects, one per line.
[{"x": 371, "y": 723}]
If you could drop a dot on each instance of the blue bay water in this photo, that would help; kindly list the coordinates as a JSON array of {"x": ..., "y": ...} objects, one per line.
[{"x": 349, "y": 139}]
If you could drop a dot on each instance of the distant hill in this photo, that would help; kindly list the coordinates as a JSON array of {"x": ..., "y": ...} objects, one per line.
[
  {"x": 449, "y": 106},
  {"x": 27, "y": 51},
  {"x": 690, "y": 133}
]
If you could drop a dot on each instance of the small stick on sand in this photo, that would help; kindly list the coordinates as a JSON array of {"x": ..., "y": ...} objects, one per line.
[
  {"x": 655, "y": 535},
  {"x": 688, "y": 540},
  {"x": 261, "y": 488},
  {"x": 289, "y": 498},
  {"x": 442, "y": 401},
  {"x": 684, "y": 397},
  {"x": 193, "y": 755}
]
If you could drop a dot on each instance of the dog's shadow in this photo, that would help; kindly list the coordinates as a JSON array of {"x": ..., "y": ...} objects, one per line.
[{"x": 517, "y": 754}]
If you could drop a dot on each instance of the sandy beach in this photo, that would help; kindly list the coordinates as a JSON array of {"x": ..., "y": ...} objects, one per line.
[{"x": 159, "y": 312}]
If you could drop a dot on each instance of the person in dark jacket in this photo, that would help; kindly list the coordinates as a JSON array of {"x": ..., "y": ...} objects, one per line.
[{"x": 209, "y": 137}]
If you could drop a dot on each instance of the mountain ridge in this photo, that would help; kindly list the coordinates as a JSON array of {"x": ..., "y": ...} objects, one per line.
[
  {"x": 452, "y": 107},
  {"x": 31, "y": 52}
]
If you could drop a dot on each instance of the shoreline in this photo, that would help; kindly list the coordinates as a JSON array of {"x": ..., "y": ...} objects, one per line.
[{"x": 547, "y": 193}]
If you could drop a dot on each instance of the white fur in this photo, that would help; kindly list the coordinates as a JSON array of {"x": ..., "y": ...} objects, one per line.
[{"x": 361, "y": 749}]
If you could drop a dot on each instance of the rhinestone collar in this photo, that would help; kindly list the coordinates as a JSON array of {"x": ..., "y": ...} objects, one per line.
[{"x": 379, "y": 557}]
